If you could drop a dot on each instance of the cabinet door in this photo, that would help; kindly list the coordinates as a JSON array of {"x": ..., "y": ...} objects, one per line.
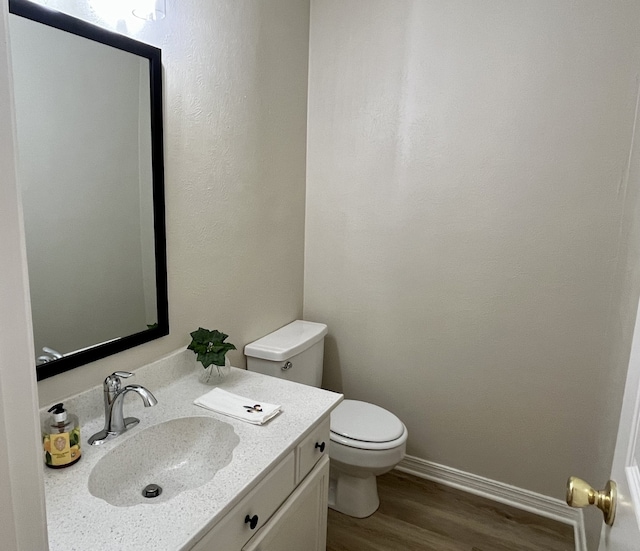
[
  {"x": 301, "y": 523},
  {"x": 311, "y": 449},
  {"x": 234, "y": 530}
]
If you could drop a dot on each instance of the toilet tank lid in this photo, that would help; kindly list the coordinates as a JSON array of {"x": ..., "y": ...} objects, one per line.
[{"x": 287, "y": 341}]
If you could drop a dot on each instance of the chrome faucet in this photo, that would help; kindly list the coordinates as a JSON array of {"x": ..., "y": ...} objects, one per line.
[
  {"x": 49, "y": 355},
  {"x": 114, "y": 421}
]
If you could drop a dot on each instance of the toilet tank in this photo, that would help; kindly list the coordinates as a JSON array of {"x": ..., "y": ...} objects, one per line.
[{"x": 293, "y": 352}]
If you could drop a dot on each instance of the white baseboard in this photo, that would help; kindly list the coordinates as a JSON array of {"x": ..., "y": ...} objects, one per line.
[{"x": 519, "y": 498}]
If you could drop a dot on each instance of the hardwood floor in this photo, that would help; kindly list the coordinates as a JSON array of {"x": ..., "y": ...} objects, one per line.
[{"x": 420, "y": 515}]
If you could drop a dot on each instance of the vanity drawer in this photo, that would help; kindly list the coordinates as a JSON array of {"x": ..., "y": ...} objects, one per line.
[
  {"x": 312, "y": 448},
  {"x": 232, "y": 532}
]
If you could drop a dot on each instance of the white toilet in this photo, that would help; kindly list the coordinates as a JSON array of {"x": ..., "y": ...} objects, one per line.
[{"x": 366, "y": 440}]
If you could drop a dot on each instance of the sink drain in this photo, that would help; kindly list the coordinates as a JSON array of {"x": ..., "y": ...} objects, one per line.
[{"x": 151, "y": 490}]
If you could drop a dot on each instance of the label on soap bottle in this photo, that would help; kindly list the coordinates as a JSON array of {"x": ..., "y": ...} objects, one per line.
[{"x": 61, "y": 449}]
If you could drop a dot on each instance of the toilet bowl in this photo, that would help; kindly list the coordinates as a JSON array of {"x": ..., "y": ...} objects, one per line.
[{"x": 366, "y": 440}]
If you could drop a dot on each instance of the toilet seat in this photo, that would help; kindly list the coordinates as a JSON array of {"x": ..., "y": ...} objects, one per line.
[{"x": 366, "y": 426}]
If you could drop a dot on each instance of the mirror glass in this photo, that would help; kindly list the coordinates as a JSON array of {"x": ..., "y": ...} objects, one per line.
[{"x": 89, "y": 135}]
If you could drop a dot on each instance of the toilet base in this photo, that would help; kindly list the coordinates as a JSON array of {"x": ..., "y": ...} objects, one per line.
[{"x": 353, "y": 496}]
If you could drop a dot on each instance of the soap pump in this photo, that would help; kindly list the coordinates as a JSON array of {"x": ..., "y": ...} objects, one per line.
[{"x": 61, "y": 438}]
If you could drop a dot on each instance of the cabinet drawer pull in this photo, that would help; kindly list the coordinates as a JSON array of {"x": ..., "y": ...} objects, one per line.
[
  {"x": 251, "y": 521},
  {"x": 321, "y": 446}
]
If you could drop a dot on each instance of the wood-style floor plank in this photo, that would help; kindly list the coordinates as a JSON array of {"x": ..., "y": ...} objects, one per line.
[{"x": 420, "y": 515}]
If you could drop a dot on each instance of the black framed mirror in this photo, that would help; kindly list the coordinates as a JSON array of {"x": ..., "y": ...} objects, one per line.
[{"x": 91, "y": 174}]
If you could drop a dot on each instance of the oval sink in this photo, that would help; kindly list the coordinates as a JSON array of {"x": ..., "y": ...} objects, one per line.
[{"x": 177, "y": 455}]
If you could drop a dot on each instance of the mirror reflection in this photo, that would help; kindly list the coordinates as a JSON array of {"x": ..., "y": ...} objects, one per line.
[{"x": 86, "y": 172}]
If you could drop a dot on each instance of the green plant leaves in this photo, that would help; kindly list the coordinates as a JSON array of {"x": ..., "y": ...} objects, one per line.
[
  {"x": 74, "y": 437},
  {"x": 210, "y": 346}
]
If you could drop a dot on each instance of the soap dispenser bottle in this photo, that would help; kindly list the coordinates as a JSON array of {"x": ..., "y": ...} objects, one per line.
[{"x": 61, "y": 438}]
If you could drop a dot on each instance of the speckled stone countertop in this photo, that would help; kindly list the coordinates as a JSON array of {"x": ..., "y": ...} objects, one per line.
[{"x": 78, "y": 521}]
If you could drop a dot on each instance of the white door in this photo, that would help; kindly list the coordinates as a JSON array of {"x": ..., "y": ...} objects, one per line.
[{"x": 624, "y": 535}]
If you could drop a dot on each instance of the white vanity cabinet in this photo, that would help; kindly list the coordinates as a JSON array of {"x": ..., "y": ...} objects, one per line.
[
  {"x": 271, "y": 495},
  {"x": 286, "y": 510}
]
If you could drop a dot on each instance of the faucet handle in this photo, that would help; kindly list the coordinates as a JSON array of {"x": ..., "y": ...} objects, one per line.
[{"x": 112, "y": 383}]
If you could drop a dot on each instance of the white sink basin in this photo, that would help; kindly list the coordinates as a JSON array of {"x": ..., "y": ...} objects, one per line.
[{"x": 177, "y": 455}]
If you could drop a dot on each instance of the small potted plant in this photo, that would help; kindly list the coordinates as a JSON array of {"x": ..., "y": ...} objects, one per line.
[{"x": 211, "y": 351}]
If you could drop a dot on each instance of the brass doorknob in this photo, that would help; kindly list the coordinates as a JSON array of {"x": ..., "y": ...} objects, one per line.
[{"x": 581, "y": 494}]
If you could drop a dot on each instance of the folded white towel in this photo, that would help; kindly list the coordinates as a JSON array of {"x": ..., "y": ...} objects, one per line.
[{"x": 238, "y": 407}]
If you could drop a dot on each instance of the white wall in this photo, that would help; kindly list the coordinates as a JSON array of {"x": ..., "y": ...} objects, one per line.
[
  {"x": 22, "y": 514},
  {"x": 466, "y": 185},
  {"x": 235, "y": 83}
]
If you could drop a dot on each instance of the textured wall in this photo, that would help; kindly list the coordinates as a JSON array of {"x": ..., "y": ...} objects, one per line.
[
  {"x": 466, "y": 183},
  {"x": 235, "y": 82}
]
